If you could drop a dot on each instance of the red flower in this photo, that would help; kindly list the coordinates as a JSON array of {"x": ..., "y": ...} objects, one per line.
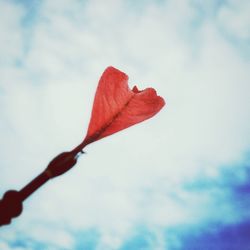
[{"x": 117, "y": 107}]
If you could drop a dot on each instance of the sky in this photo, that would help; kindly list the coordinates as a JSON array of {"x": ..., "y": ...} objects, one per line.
[{"x": 177, "y": 181}]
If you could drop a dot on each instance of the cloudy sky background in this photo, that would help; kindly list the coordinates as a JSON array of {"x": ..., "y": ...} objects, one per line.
[{"x": 177, "y": 181}]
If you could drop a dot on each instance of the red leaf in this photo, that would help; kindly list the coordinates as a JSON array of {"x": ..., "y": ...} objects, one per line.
[{"x": 117, "y": 107}]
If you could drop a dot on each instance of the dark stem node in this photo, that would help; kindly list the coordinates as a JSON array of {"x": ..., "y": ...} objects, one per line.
[{"x": 10, "y": 206}]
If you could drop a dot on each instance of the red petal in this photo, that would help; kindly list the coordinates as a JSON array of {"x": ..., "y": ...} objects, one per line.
[
  {"x": 116, "y": 107},
  {"x": 136, "y": 90}
]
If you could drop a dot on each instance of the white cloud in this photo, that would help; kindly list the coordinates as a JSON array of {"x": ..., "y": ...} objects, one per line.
[
  {"x": 235, "y": 19},
  {"x": 136, "y": 176},
  {"x": 10, "y": 33}
]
